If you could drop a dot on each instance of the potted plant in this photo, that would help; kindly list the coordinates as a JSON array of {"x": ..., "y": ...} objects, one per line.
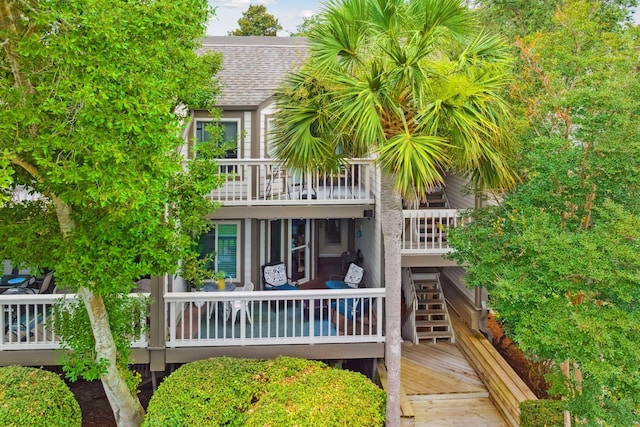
[{"x": 219, "y": 277}]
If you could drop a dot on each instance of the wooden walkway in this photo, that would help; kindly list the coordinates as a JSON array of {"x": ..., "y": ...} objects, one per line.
[{"x": 443, "y": 390}]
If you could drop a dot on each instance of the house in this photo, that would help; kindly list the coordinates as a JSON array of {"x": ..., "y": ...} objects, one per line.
[
  {"x": 269, "y": 214},
  {"x": 272, "y": 214},
  {"x": 316, "y": 224}
]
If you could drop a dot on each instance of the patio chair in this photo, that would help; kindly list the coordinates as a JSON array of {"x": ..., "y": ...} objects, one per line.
[
  {"x": 236, "y": 306},
  {"x": 274, "y": 278},
  {"x": 352, "y": 279},
  {"x": 45, "y": 283}
]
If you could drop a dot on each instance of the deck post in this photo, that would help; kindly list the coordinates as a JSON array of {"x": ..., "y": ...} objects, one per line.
[{"x": 157, "y": 340}]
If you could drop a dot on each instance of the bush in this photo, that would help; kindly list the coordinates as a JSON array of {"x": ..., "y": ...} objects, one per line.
[
  {"x": 31, "y": 397},
  {"x": 319, "y": 396},
  {"x": 284, "y": 391},
  {"x": 206, "y": 392},
  {"x": 542, "y": 413}
]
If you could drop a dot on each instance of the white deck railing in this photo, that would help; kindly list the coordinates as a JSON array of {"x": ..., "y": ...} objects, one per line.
[
  {"x": 267, "y": 182},
  {"x": 200, "y": 318},
  {"x": 27, "y": 322},
  {"x": 425, "y": 230},
  {"x": 274, "y": 317}
]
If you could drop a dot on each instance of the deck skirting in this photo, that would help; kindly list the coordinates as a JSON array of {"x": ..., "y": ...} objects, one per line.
[{"x": 506, "y": 388}]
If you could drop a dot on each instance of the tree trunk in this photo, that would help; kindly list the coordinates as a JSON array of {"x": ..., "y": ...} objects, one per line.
[
  {"x": 127, "y": 410},
  {"x": 391, "y": 223}
]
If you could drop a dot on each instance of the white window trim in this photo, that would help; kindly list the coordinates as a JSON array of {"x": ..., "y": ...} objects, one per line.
[{"x": 235, "y": 277}]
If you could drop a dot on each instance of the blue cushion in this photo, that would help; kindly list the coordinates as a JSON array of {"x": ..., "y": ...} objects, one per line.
[
  {"x": 285, "y": 287},
  {"x": 345, "y": 307},
  {"x": 336, "y": 284}
]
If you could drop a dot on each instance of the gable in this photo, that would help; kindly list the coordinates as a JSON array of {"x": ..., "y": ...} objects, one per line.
[{"x": 254, "y": 66}]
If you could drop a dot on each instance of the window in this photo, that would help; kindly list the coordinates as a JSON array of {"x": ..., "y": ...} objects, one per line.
[
  {"x": 230, "y": 134},
  {"x": 222, "y": 243}
]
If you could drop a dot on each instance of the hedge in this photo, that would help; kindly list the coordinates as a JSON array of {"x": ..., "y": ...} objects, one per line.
[
  {"x": 279, "y": 392},
  {"x": 31, "y": 397},
  {"x": 542, "y": 413}
]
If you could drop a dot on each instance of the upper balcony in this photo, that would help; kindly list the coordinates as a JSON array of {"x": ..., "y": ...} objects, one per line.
[{"x": 255, "y": 182}]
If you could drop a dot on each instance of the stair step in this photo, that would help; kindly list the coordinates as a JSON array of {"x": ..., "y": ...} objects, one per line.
[
  {"x": 425, "y": 276},
  {"x": 428, "y": 335},
  {"x": 431, "y": 323}
]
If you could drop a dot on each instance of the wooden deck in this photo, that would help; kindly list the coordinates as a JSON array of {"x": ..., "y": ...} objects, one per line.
[{"x": 441, "y": 389}]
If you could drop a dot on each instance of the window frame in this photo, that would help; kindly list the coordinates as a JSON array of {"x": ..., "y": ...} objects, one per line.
[
  {"x": 222, "y": 120},
  {"x": 235, "y": 275}
]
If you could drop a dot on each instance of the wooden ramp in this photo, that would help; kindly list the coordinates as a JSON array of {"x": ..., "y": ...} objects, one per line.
[{"x": 443, "y": 390}]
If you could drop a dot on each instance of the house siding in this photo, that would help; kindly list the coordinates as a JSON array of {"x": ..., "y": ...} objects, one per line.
[{"x": 457, "y": 192}]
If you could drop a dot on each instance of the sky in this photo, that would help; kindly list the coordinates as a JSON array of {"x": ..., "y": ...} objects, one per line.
[{"x": 289, "y": 13}]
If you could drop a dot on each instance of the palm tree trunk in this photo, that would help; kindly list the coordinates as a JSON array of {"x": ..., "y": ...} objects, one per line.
[
  {"x": 127, "y": 410},
  {"x": 391, "y": 223}
]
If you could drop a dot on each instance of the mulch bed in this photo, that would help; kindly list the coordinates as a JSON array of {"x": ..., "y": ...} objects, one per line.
[{"x": 531, "y": 373}]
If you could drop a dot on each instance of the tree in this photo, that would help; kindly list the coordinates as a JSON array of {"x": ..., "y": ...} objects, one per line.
[
  {"x": 308, "y": 22},
  {"x": 256, "y": 21},
  {"x": 560, "y": 256},
  {"x": 414, "y": 84},
  {"x": 90, "y": 92},
  {"x": 526, "y": 17}
]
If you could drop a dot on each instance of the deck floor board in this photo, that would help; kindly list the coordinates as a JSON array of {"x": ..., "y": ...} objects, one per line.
[{"x": 443, "y": 389}]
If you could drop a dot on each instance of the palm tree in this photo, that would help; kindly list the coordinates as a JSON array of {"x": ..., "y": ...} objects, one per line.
[{"x": 413, "y": 82}]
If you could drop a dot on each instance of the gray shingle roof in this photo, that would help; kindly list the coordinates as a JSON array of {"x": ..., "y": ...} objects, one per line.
[{"x": 254, "y": 66}]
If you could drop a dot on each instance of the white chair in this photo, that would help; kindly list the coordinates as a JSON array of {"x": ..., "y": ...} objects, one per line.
[{"x": 236, "y": 306}]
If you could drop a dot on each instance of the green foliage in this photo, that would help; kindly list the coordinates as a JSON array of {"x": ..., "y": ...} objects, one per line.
[
  {"x": 414, "y": 82},
  {"x": 541, "y": 413},
  {"x": 308, "y": 23},
  {"x": 525, "y": 17},
  {"x": 559, "y": 257},
  {"x": 256, "y": 21},
  {"x": 94, "y": 95},
  {"x": 127, "y": 319},
  {"x": 284, "y": 391},
  {"x": 328, "y": 397},
  {"x": 36, "y": 398}
]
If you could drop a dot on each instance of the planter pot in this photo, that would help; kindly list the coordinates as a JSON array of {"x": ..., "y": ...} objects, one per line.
[{"x": 221, "y": 284}]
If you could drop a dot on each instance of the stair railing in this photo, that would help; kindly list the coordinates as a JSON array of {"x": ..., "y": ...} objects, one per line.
[{"x": 408, "y": 321}]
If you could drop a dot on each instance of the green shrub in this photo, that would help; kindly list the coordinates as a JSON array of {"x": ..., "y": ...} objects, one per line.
[
  {"x": 279, "y": 392},
  {"x": 31, "y": 397},
  {"x": 206, "y": 392},
  {"x": 320, "y": 396},
  {"x": 542, "y": 413}
]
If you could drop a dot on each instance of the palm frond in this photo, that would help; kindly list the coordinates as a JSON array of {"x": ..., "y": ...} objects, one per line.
[
  {"x": 417, "y": 161},
  {"x": 451, "y": 15}
]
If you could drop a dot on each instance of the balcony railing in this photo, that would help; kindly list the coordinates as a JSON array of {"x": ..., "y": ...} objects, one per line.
[
  {"x": 267, "y": 182},
  {"x": 275, "y": 317},
  {"x": 27, "y": 322},
  {"x": 197, "y": 319},
  {"x": 425, "y": 230}
]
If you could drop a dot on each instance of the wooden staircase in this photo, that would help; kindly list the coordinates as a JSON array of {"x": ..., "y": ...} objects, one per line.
[
  {"x": 432, "y": 319},
  {"x": 436, "y": 199}
]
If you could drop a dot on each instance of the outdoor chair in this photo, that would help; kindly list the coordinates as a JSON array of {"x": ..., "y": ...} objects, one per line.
[
  {"x": 352, "y": 279},
  {"x": 236, "y": 306},
  {"x": 45, "y": 283},
  {"x": 274, "y": 278}
]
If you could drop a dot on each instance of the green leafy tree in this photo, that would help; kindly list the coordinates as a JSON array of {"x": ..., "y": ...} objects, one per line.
[
  {"x": 304, "y": 29},
  {"x": 256, "y": 21},
  {"x": 526, "y": 17},
  {"x": 560, "y": 256},
  {"x": 416, "y": 85},
  {"x": 91, "y": 92}
]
